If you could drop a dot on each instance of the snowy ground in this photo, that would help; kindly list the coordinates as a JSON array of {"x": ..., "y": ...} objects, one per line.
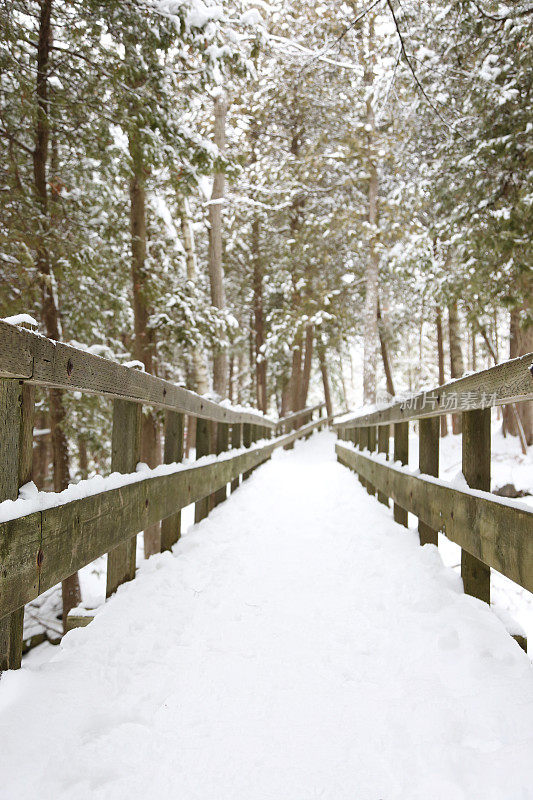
[
  {"x": 296, "y": 645},
  {"x": 508, "y": 465}
]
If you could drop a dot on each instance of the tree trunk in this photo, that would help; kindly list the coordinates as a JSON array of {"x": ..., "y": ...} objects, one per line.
[
  {"x": 308, "y": 363},
  {"x": 259, "y": 321},
  {"x": 216, "y": 275},
  {"x": 456, "y": 356},
  {"x": 83, "y": 457},
  {"x": 520, "y": 343},
  {"x": 70, "y": 587},
  {"x": 200, "y": 378},
  {"x": 41, "y": 458},
  {"x": 371, "y": 332},
  {"x": 440, "y": 355},
  {"x": 325, "y": 378},
  {"x": 385, "y": 352},
  {"x": 231, "y": 375},
  {"x": 143, "y": 345},
  {"x": 285, "y": 399},
  {"x": 296, "y": 374}
]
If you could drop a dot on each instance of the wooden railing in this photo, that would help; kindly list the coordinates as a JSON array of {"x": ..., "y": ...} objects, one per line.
[
  {"x": 491, "y": 532},
  {"x": 298, "y": 418},
  {"x": 42, "y": 548}
]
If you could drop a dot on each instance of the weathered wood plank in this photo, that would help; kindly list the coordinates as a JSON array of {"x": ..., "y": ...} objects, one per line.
[
  {"x": 476, "y": 446},
  {"x": 296, "y": 414},
  {"x": 41, "y": 361},
  {"x": 499, "y": 535},
  {"x": 383, "y": 447},
  {"x": 16, "y": 449},
  {"x": 247, "y": 434},
  {"x": 125, "y": 455},
  {"x": 401, "y": 454},
  {"x": 428, "y": 463},
  {"x": 221, "y": 447},
  {"x": 201, "y": 509},
  {"x": 236, "y": 444},
  {"x": 41, "y": 549},
  {"x": 173, "y": 454},
  {"x": 371, "y": 436},
  {"x": 509, "y": 382}
]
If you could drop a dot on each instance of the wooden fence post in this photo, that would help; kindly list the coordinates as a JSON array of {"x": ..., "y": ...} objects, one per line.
[
  {"x": 383, "y": 447},
  {"x": 363, "y": 443},
  {"x": 222, "y": 446},
  {"x": 428, "y": 464},
  {"x": 476, "y": 470},
  {"x": 371, "y": 446},
  {"x": 173, "y": 452},
  {"x": 125, "y": 455},
  {"x": 236, "y": 443},
  {"x": 201, "y": 508},
  {"x": 246, "y": 441},
  {"x": 17, "y": 402},
  {"x": 401, "y": 454}
]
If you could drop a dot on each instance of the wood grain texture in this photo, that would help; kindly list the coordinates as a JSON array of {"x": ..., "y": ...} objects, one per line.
[
  {"x": 383, "y": 447},
  {"x": 304, "y": 412},
  {"x": 476, "y": 447},
  {"x": 247, "y": 434},
  {"x": 221, "y": 447},
  {"x": 125, "y": 455},
  {"x": 39, "y": 550},
  {"x": 201, "y": 509},
  {"x": 499, "y": 535},
  {"x": 509, "y": 382},
  {"x": 17, "y": 403},
  {"x": 172, "y": 454},
  {"x": 42, "y": 362},
  {"x": 401, "y": 454},
  {"x": 428, "y": 463},
  {"x": 236, "y": 444}
]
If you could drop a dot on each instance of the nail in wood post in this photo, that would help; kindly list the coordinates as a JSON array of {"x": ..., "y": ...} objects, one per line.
[
  {"x": 236, "y": 443},
  {"x": 428, "y": 464},
  {"x": 383, "y": 447},
  {"x": 476, "y": 469},
  {"x": 222, "y": 446},
  {"x": 201, "y": 508},
  {"x": 371, "y": 446},
  {"x": 17, "y": 403},
  {"x": 173, "y": 452},
  {"x": 247, "y": 441},
  {"x": 125, "y": 455},
  {"x": 401, "y": 454}
]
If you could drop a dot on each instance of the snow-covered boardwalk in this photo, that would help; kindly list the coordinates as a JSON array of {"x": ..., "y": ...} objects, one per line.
[{"x": 298, "y": 645}]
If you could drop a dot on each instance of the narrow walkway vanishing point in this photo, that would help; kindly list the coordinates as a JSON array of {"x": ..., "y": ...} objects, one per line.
[{"x": 297, "y": 645}]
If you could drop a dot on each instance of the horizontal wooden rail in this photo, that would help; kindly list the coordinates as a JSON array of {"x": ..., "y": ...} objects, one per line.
[
  {"x": 40, "y": 361},
  {"x": 39, "y": 550},
  {"x": 303, "y": 412},
  {"x": 509, "y": 382},
  {"x": 496, "y": 533}
]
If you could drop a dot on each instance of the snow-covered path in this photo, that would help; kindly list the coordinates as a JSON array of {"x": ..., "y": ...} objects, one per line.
[{"x": 298, "y": 645}]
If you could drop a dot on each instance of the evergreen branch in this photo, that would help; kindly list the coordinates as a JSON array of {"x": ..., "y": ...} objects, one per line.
[
  {"x": 415, "y": 76},
  {"x": 12, "y": 138},
  {"x": 524, "y": 13}
]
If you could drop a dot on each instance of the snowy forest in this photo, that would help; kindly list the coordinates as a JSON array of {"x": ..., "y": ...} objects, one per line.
[
  {"x": 266, "y": 399},
  {"x": 261, "y": 201}
]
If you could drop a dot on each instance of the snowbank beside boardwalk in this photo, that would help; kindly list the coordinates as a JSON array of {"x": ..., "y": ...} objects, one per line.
[{"x": 297, "y": 644}]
